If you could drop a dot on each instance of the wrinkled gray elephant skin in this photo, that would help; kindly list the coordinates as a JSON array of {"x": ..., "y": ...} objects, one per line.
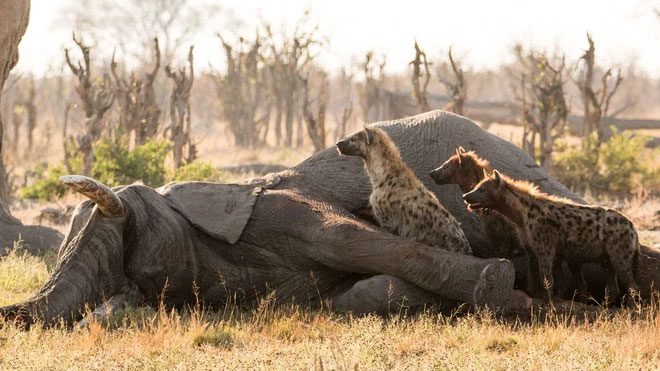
[{"x": 292, "y": 234}]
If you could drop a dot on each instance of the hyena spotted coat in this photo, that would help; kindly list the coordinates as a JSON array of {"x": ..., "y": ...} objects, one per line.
[
  {"x": 550, "y": 226},
  {"x": 400, "y": 202}
]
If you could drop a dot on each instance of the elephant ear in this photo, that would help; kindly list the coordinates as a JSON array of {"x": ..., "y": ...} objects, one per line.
[{"x": 221, "y": 210}]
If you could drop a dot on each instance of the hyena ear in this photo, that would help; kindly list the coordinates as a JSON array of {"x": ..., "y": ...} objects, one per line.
[
  {"x": 498, "y": 178},
  {"x": 369, "y": 133},
  {"x": 486, "y": 174},
  {"x": 460, "y": 150}
]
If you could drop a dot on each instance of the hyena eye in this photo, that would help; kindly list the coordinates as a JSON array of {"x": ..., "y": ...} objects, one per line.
[{"x": 352, "y": 139}]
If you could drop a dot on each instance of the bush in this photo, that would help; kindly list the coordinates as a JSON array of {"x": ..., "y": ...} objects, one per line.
[
  {"x": 114, "y": 164},
  {"x": 617, "y": 166},
  {"x": 48, "y": 187},
  {"x": 200, "y": 170}
]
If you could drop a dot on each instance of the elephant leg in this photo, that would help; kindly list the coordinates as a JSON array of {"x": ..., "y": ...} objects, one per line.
[
  {"x": 128, "y": 298},
  {"x": 334, "y": 238},
  {"x": 352, "y": 247},
  {"x": 384, "y": 294}
]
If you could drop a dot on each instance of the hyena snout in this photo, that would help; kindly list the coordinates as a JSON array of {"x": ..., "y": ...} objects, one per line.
[
  {"x": 441, "y": 175},
  {"x": 477, "y": 198},
  {"x": 347, "y": 148}
]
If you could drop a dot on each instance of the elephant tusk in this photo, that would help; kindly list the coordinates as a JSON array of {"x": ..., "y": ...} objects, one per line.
[{"x": 109, "y": 204}]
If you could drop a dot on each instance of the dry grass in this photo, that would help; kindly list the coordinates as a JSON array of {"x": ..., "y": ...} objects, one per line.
[{"x": 269, "y": 338}]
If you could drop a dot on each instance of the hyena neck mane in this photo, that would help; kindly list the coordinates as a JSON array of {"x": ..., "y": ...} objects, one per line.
[
  {"x": 383, "y": 162},
  {"x": 476, "y": 165},
  {"x": 520, "y": 197}
]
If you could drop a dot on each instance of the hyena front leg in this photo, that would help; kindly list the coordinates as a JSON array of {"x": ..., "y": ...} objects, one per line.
[{"x": 534, "y": 279}]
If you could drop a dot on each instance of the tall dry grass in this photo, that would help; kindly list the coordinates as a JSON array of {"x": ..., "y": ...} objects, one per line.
[{"x": 270, "y": 337}]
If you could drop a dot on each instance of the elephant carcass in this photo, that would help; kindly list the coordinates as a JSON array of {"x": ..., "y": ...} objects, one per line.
[
  {"x": 137, "y": 240},
  {"x": 300, "y": 238}
]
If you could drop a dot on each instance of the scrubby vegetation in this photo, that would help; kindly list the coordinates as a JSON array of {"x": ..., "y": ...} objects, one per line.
[
  {"x": 617, "y": 167},
  {"x": 200, "y": 170},
  {"x": 115, "y": 164}
]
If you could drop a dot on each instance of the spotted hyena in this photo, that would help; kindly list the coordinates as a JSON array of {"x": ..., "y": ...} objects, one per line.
[
  {"x": 466, "y": 169},
  {"x": 550, "y": 226},
  {"x": 399, "y": 201}
]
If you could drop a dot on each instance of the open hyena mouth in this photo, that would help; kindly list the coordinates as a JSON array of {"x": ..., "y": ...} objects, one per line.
[{"x": 474, "y": 205}]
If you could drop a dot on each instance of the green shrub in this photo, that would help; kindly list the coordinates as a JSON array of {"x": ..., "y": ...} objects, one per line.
[
  {"x": 622, "y": 162},
  {"x": 200, "y": 170},
  {"x": 576, "y": 169},
  {"x": 48, "y": 186},
  {"x": 115, "y": 164},
  {"x": 617, "y": 166}
]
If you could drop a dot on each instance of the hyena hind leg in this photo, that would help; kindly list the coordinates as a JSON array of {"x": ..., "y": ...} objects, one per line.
[
  {"x": 612, "y": 289},
  {"x": 581, "y": 283},
  {"x": 626, "y": 278}
]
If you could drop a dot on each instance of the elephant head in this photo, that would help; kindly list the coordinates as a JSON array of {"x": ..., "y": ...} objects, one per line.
[
  {"x": 126, "y": 237},
  {"x": 90, "y": 256}
]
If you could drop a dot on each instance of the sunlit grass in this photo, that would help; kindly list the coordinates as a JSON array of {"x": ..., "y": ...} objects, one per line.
[
  {"x": 20, "y": 275},
  {"x": 293, "y": 338}
]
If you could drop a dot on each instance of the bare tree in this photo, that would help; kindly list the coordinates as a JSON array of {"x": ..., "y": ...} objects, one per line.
[
  {"x": 179, "y": 128},
  {"x": 372, "y": 91},
  {"x": 343, "y": 102},
  {"x": 420, "y": 89},
  {"x": 242, "y": 92},
  {"x": 138, "y": 110},
  {"x": 316, "y": 122},
  {"x": 14, "y": 18},
  {"x": 85, "y": 89},
  {"x": 30, "y": 112},
  {"x": 96, "y": 99},
  {"x": 24, "y": 112},
  {"x": 455, "y": 84},
  {"x": 596, "y": 102},
  {"x": 16, "y": 117},
  {"x": 542, "y": 98},
  {"x": 122, "y": 23},
  {"x": 289, "y": 55}
]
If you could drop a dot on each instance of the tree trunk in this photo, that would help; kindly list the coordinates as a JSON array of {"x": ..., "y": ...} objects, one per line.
[{"x": 14, "y": 19}]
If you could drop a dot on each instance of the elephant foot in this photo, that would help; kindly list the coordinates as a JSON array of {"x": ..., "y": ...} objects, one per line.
[
  {"x": 128, "y": 299},
  {"x": 518, "y": 300},
  {"x": 495, "y": 284}
]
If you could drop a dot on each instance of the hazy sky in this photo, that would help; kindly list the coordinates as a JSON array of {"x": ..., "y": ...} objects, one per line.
[{"x": 481, "y": 31}]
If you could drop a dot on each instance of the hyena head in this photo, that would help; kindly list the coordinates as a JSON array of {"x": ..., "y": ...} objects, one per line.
[
  {"x": 487, "y": 193},
  {"x": 464, "y": 168},
  {"x": 358, "y": 144}
]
